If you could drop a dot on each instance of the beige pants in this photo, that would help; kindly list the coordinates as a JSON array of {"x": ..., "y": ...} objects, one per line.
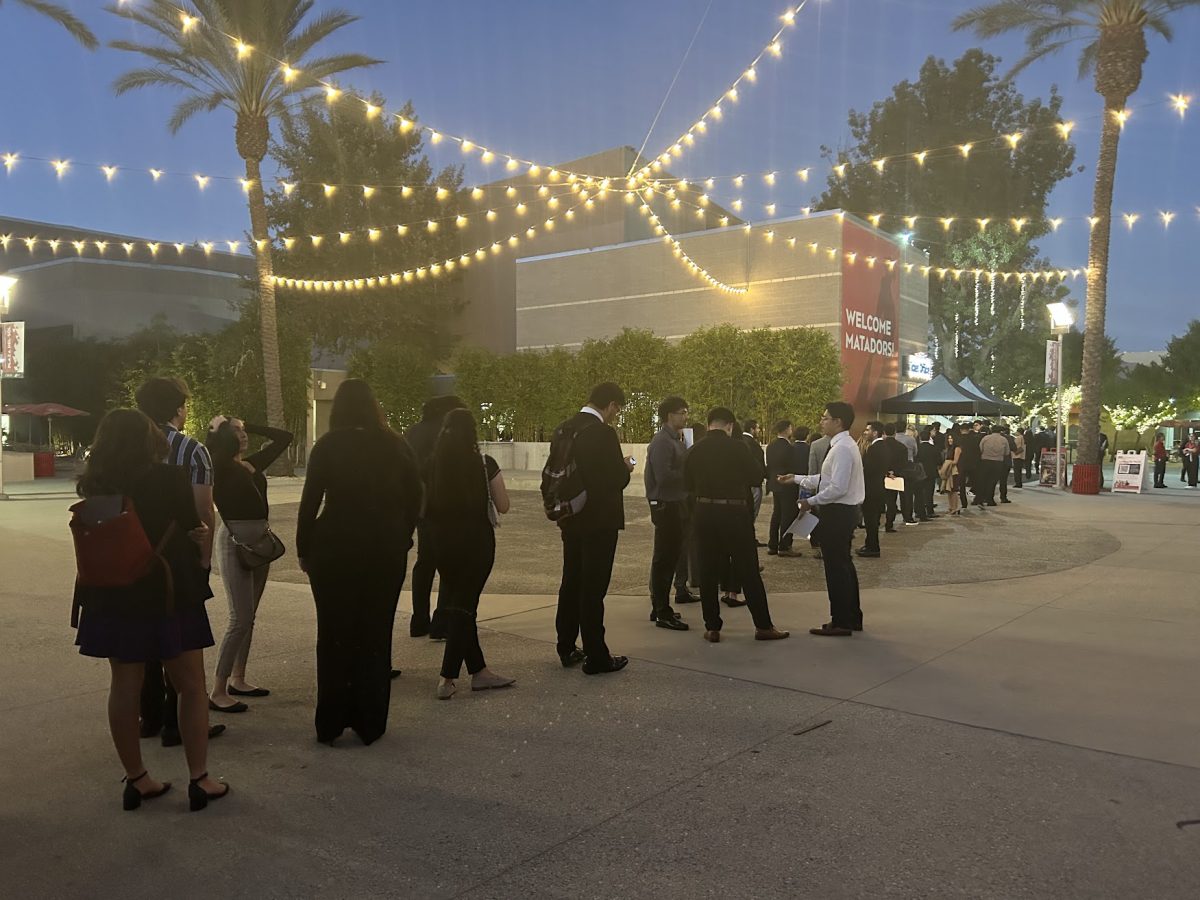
[{"x": 244, "y": 588}]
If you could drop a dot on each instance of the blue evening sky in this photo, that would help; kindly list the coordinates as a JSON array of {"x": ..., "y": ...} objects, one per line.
[{"x": 557, "y": 79}]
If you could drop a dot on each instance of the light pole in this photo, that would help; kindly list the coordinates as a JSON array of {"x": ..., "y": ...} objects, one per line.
[
  {"x": 1061, "y": 320},
  {"x": 7, "y": 283}
]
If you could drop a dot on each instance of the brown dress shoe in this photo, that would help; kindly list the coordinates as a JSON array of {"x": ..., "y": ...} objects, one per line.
[
  {"x": 713, "y": 637},
  {"x": 770, "y": 634},
  {"x": 830, "y": 630}
]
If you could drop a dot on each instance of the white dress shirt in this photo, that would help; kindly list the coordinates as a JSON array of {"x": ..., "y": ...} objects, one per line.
[
  {"x": 593, "y": 411},
  {"x": 841, "y": 478}
]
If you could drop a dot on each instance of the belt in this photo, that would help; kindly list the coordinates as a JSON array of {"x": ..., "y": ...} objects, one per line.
[{"x": 718, "y": 502}]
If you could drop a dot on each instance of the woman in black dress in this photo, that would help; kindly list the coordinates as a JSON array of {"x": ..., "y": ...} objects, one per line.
[
  {"x": 355, "y": 552},
  {"x": 466, "y": 492},
  {"x": 240, "y": 494},
  {"x": 155, "y": 618}
]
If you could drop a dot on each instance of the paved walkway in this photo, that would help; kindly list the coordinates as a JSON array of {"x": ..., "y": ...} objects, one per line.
[{"x": 1031, "y": 736}]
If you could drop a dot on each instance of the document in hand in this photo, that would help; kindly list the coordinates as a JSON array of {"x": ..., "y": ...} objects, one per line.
[
  {"x": 804, "y": 525},
  {"x": 893, "y": 483}
]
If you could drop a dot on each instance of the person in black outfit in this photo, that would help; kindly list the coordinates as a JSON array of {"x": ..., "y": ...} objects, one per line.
[
  {"x": 970, "y": 466},
  {"x": 159, "y": 617},
  {"x": 718, "y": 473},
  {"x": 669, "y": 512},
  {"x": 466, "y": 497},
  {"x": 356, "y": 554},
  {"x": 781, "y": 460},
  {"x": 750, "y": 438},
  {"x": 876, "y": 464},
  {"x": 930, "y": 459},
  {"x": 421, "y": 438},
  {"x": 897, "y": 501},
  {"x": 240, "y": 494},
  {"x": 589, "y": 537}
]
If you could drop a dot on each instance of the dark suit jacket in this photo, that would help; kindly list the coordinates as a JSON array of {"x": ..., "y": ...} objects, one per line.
[
  {"x": 760, "y": 458},
  {"x": 970, "y": 450},
  {"x": 930, "y": 459},
  {"x": 897, "y": 455},
  {"x": 800, "y": 451},
  {"x": 604, "y": 473},
  {"x": 780, "y": 461},
  {"x": 876, "y": 464},
  {"x": 421, "y": 438}
]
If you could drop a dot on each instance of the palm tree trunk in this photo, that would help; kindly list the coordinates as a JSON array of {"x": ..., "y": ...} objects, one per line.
[
  {"x": 268, "y": 326},
  {"x": 1097, "y": 286}
]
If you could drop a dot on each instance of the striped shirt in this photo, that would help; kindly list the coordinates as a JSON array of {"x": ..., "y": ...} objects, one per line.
[{"x": 190, "y": 453}]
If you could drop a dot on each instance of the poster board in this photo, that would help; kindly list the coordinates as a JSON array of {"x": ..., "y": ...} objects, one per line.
[
  {"x": 1048, "y": 469},
  {"x": 12, "y": 349},
  {"x": 1128, "y": 473}
]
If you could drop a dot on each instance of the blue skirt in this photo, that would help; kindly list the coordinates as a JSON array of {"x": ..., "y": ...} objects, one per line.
[{"x": 110, "y": 635}]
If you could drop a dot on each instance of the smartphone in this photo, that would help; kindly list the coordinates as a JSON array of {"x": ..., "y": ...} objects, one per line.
[{"x": 633, "y": 460}]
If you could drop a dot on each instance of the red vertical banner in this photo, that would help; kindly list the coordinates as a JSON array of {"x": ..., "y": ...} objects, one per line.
[{"x": 870, "y": 319}]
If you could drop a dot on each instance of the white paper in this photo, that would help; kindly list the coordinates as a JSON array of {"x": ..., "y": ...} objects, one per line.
[
  {"x": 804, "y": 525},
  {"x": 893, "y": 483},
  {"x": 689, "y": 438}
]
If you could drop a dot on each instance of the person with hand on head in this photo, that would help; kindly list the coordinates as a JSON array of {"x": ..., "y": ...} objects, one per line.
[
  {"x": 589, "y": 536},
  {"x": 719, "y": 473},
  {"x": 838, "y": 490},
  {"x": 240, "y": 495},
  {"x": 467, "y": 496}
]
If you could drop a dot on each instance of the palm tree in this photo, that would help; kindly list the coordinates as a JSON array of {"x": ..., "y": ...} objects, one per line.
[
  {"x": 228, "y": 53},
  {"x": 1114, "y": 50},
  {"x": 63, "y": 17}
]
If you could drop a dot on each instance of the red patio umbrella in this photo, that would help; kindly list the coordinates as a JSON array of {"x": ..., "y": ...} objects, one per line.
[{"x": 49, "y": 411}]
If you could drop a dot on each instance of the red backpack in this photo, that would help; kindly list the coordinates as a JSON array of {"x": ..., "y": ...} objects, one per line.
[{"x": 111, "y": 546}]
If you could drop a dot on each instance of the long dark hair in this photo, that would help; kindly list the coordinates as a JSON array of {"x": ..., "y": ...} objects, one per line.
[
  {"x": 355, "y": 406},
  {"x": 127, "y": 445},
  {"x": 223, "y": 444},
  {"x": 456, "y": 477}
]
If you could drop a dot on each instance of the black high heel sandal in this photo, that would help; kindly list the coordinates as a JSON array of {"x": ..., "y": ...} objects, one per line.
[
  {"x": 132, "y": 798},
  {"x": 198, "y": 797}
]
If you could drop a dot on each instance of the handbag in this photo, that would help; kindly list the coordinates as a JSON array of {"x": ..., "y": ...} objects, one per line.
[{"x": 263, "y": 550}]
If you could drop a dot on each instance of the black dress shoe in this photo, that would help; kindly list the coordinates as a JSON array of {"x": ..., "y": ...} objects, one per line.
[
  {"x": 396, "y": 673},
  {"x": 870, "y": 554},
  {"x": 686, "y": 597},
  {"x": 612, "y": 664},
  {"x": 572, "y": 659},
  {"x": 771, "y": 552},
  {"x": 253, "y": 692},
  {"x": 418, "y": 630},
  {"x": 1006, "y": 500},
  {"x": 890, "y": 529},
  {"x": 238, "y": 707},
  {"x": 734, "y": 601},
  {"x": 672, "y": 624}
]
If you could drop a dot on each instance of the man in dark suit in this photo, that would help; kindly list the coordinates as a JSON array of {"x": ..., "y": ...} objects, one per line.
[
  {"x": 800, "y": 458},
  {"x": 750, "y": 437},
  {"x": 422, "y": 437},
  {"x": 897, "y": 501},
  {"x": 589, "y": 537},
  {"x": 718, "y": 473},
  {"x": 876, "y": 465},
  {"x": 780, "y": 460},
  {"x": 930, "y": 459},
  {"x": 969, "y": 460}
]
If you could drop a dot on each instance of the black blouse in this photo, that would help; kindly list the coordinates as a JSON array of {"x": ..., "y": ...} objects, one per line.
[{"x": 240, "y": 494}]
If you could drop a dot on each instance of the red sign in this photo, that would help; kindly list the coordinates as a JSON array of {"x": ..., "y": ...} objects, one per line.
[
  {"x": 12, "y": 348},
  {"x": 870, "y": 320}
]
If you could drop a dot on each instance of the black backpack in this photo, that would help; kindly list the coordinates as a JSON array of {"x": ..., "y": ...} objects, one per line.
[{"x": 563, "y": 493}]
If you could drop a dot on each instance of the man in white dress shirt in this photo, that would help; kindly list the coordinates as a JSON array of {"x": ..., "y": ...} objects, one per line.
[{"x": 838, "y": 490}]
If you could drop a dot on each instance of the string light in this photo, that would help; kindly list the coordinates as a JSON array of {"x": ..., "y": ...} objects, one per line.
[
  {"x": 60, "y": 166},
  {"x": 1180, "y": 102},
  {"x": 110, "y": 172}
]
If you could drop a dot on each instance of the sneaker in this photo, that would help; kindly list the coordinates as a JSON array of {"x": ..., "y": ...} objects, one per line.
[
  {"x": 913, "y": 522},
  {"x": 486, "y": 680},
  {"x": 446, "y": 688}
]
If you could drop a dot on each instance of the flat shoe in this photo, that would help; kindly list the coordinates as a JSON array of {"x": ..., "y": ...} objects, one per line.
[
  {"x": 238, "y": 707},
  {"x": 253, "y": 692},
  {"x": 446, "y": 689},
  {"x": 770, "y": 634},
  {"x": 713, "y": 637},
  {"x": 490, "y": 680}
]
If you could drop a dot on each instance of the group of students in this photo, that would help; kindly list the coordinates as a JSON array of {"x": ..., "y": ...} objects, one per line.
[{"x": 146, "y": 533}]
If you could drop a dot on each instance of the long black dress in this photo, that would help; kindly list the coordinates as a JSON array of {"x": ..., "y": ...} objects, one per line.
[{"x": 356, "y": 552}]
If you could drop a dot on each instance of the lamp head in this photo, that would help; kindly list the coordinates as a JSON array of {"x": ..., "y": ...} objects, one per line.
[{"x": 1061, "y": 317}]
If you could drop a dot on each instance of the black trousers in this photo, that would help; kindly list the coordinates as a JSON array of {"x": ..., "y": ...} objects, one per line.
[
  {"x": 424, "y": 570},
  {"x": 727, "y": 532},
  {"x": 467, "y": 557},
  {"x": 836, "y": 533},
  {"x": 968, "y": 478},
  {"x": 1006, "y": 467},
  {"x": 1018, "y": 470},
  {"x": 670, "y": 520},
  {"x": 587, "y": 570},
  {"x": 784, "y": 498},
  {"x": 925, "y": 490},
  {"x": 991, "y": 471},
  {"x": 872, "y": 509},
  {"x": 356, "y": 608},
  {"x": 1160, "y": 473},
  {"x": 901, "y": 501},
  {"x": 160, "y": 703},
  {"x": 1193, "y": 470}
]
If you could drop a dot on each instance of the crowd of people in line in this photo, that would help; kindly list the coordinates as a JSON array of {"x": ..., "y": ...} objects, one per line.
[{"x": 158, "y": 506}]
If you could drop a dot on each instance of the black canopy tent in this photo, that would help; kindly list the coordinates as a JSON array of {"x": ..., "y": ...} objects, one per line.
[
  {"x": 1007, "y": 409},
  {"x": 942, "y": 397}
]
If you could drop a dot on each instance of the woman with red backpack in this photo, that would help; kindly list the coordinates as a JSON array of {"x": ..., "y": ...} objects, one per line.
[{"x": 140, "y": 592}]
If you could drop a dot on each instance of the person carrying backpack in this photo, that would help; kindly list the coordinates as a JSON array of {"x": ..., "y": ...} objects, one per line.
[
  {"x": 582, "y": 486},
  {"x": 140, "y": 594}
]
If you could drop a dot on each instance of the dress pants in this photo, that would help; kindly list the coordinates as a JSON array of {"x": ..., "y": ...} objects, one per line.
[
  {"x": 990, "y": 472},
  {"x": 1006, "y": 467},
  {"x": 784, "y": 498},
  {"x": 1160, "y": 473},
  {"x": 587, "y": 570},
  {"x": 1018, "y": 470},
  {"x": 467, "y": 557},
  {"x": 727, "y": 532},
  {"x": 424, "y": 570},
  {"x": 836, "y": 533},
  {"x": 872, "y": 508},
  {"x": 1193, "y": 470},
  {"x": 670, "y": 520},
  {"x": 967, "y": 477},
  {"x": 925, "y": 497}
]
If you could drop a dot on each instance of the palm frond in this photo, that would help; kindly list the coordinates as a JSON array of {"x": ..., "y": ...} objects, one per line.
[
  {"x": 328, "y": 66},
  {"x": 65, "y": 18},
  {"x": 1087, "y": 59},
  {"x": 189, "y": 107},
  {"x": 136, "y": 79},
  {"x": 317, "y": 30}
]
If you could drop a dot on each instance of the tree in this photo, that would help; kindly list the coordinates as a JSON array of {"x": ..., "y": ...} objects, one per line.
[
  {"x": 1182, "y": 363},
  {"x": 1114, "y": 32},
  {"x": 226, "y": 56},
  {"x": 948, "y": 106},
  {"x": 63, "y": 17},
  {"x": 324, "y": 143}
]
